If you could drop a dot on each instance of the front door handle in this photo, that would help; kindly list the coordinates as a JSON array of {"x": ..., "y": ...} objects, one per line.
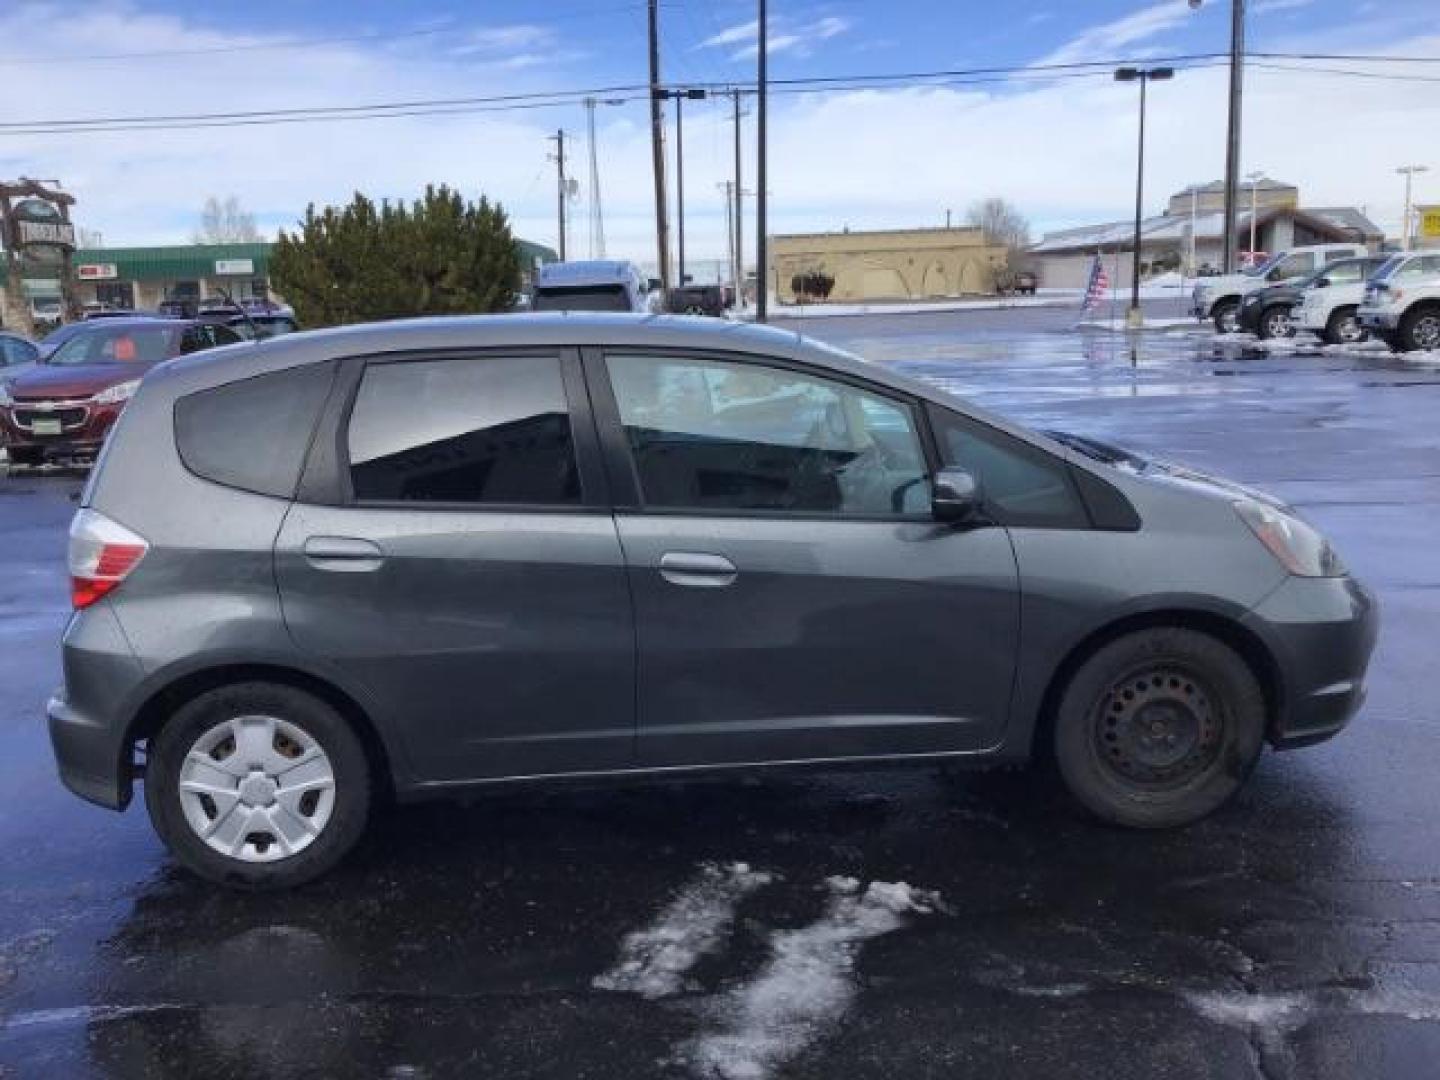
[
  {"x": 697, "y": 570},
  {"x": 347, "y": 554}
]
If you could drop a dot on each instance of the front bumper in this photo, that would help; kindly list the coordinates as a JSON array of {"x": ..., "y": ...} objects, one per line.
[
  {"x": 76, "y": 443},
  {"x": 1321, "y": 633}
]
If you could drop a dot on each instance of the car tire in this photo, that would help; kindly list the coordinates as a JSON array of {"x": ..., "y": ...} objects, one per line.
[
  {"x": 1343, "y": 328},
  {"x": 1159, "y": 728},
  {"x": 295, "y": 741},
  {"x": 1274, "y": 322},
  {"x": 1226, "y": 315},
  {"x": 1420, "y": 329}
]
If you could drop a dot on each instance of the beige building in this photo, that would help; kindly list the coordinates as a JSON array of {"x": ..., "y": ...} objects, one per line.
[{"x": 888, "y": 264}]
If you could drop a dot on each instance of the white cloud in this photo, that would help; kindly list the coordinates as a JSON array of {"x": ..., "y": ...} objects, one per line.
[
  {"x": 1062, "y": 150},
  {"x": 1105, "y": 42},
  {"x": 786, "y": 35},
  {"x": 1267, "y": 7}
]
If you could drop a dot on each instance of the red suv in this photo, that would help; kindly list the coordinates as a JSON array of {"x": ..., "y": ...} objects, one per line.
[{"x": 61, "y": 411}]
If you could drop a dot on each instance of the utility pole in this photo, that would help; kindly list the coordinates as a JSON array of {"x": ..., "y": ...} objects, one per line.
[
  {"x": 762, "y": 272},
  {"x": 728, "y": 186},
  {"x": 561, "y": 187},
  {"x": 657, "y": 148},
  {"x": 738, "y": 244},
  {"x": 597, "y": 220},
  {"x": 1232, "y": 138},
  {"x": 1406, "y": 229}
]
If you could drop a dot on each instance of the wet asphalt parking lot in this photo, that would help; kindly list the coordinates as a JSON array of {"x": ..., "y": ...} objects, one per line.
[{"x": 896, "y": 923}]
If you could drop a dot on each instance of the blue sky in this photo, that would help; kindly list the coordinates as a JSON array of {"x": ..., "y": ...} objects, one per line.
[{"x": 1064, "y": 151}]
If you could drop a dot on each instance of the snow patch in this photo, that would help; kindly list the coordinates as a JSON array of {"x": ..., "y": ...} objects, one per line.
[
  {"x": 806, "y": 985},
  {"x": 654, "y": 961},
  {"x": 1248, "y": 1010}
]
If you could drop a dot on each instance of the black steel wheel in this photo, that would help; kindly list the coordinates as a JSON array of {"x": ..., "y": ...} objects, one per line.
[{"x": 1159, "y": 728}]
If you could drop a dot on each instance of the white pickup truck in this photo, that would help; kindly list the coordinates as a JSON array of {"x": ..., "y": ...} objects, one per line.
[
  {"x": 1328, "y": 307},
  {"x": 1402, "y": 302},
  {"x": 1219, "y": 298}
]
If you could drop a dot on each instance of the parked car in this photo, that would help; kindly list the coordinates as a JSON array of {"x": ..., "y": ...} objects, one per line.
[
  {"x": 1402, "y": 302},
  {"x": 698, "y": 300},
  {"x": 1267, "y": 312},
  {"x": 258, "y": 326},
  {"x": 173, "y": 308},
  {"x": 18, "y": 355},
  {"x": 1219, "y": 298},
  {"x": 61, "y": 411},
  {"x": 1330, "y": 303},
  {"x": 1016, "y": 283},
  {"x": 593, "y": 285},
  {"x": 488, "y": 549}
]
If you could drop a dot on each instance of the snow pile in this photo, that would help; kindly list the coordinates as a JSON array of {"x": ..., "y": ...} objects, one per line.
[
  {"x": 1151, "y": 323},
  {"x": 807, "y": 984},
  {"x": 1248, "y": 1010},
  {"x": 653, "y": 961}
]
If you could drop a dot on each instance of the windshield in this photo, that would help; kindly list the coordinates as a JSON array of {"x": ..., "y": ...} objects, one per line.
[
  {"x": 118, "y": 345},
  {"x": 581, "y": 298}
]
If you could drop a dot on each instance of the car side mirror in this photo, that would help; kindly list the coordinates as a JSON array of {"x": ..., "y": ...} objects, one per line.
[{"x": 954, "y": 496}]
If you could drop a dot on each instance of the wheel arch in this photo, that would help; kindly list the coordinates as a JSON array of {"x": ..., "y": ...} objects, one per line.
[
  {"x": 1246, "y": 644},
  {"x": 163, "y": 701},
  {"x": 1228, "y": 298}
]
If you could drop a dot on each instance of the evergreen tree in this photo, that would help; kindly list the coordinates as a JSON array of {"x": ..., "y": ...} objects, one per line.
[{"x": 441, "y": 255}]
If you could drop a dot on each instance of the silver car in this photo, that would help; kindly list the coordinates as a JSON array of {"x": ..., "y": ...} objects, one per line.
[{"x": 422, "y": 557}]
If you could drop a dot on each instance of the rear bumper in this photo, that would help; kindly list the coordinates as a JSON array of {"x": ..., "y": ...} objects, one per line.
[
  {"x": 89, "y": 722},
  {"x": 1321, "y": 632}
]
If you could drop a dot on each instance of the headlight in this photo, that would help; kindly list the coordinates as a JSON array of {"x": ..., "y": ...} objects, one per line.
[
  {"x": 1300, "y": 548},
  {"x": 115, "y": 394}
]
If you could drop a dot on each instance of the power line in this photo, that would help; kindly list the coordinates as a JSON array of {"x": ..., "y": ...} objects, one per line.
[{"x": 639, "y": 92}]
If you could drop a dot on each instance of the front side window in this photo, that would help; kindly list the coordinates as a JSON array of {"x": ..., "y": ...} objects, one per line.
[
  {"x": 1344, "y": 273},
  {"x": 476, "y": 430},
  {"x": 716, "y": 435},
  {"x": 1292, "y": 266},
  {"x": 1020, "y": 484}
]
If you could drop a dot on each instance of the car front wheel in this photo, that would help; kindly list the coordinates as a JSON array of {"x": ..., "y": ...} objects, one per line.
[
  {"x": 1275, "y": 322},
  {"x": 1227, "y": 316},
  {"x": 1420, "y": 330},
  {"x": 1343, "y": 327},
  {"x": 1159, "y": 728},
  {"x": 257, "y": 785}
]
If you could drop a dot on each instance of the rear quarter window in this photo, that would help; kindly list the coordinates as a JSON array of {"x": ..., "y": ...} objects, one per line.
[{"x": 252, "y": 434}]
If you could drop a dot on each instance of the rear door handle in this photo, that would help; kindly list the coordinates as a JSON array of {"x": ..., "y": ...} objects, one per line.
[
  {"x": 697, "y": 570},
  {"x": 347, "y": 554}
]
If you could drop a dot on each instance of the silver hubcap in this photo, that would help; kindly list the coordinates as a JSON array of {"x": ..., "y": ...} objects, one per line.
[
  {"x": 257, "y": 789},
  {"x": 1277, "y": 324},
  {"x": 1349, "y": 330},
  {"x": 1427, "y": 332}
]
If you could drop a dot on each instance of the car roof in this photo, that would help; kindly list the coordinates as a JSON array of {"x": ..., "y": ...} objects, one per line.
[
  {"x": 122, "y": 321},
  {"x": 568, "y": 329},
  {"x": 585, "y": 272}
]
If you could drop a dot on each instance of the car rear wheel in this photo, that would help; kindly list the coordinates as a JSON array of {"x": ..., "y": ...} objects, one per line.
[
  {"x": 1420, "y": 329},
  {"x": 1227, "y": 316},
  {"x": 257, "y": 785},
  {"x": 1275, "y": 322},
  {"x": 1159, "y": 728},
  {"x": 1343, "y": 327}
]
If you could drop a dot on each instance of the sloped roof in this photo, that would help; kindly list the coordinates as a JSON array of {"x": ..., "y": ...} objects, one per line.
[{"x": 1173, "y": 228}]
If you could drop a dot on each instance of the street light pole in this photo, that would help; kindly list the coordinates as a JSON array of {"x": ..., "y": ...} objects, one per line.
[
  {"x": 1134, "y": 318},
  {"x": 694, "y": 94},
  {"x": 1232, "y": 138},
  {"x": 1254, "y": 178},
  {"x": 1407, "y": 230}
]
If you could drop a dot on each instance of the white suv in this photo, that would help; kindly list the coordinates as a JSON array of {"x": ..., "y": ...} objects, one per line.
[
  {"x": 1219, "y": 298},
  {"x": 1328, "y": 307},
  {"x": 1402, "y": 302}
]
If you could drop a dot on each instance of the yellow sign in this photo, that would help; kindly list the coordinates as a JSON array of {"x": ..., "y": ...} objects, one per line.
[{"x": 1430, "y": 222}]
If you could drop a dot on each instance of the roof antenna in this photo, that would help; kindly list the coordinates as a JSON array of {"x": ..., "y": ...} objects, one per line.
[{"x": 254, "y": 330}]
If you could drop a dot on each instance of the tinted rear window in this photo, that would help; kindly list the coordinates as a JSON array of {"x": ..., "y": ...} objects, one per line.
[
  {"x": 582, "y": 298},
  {"x": 253, "y": 434}
]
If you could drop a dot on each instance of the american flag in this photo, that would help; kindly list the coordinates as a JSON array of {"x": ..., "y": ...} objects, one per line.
[{"x": 1097, "y": 288}]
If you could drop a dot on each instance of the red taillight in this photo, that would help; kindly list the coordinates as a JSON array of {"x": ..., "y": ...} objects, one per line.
[{"x": 102, "y": 555}]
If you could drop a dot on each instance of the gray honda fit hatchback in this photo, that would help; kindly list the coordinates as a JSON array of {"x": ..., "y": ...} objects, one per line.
[{"x": 419, "y": 557}]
